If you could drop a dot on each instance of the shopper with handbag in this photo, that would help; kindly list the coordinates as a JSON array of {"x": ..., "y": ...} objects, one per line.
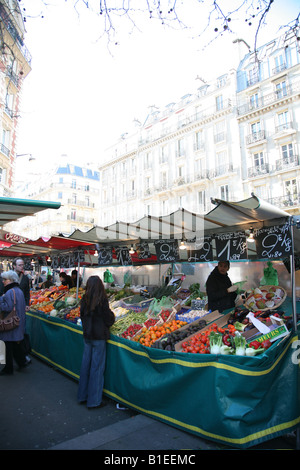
[{"x": 13, "y": 297}]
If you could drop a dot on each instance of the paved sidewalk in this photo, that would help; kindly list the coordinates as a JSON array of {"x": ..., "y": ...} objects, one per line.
[{"x": 42, "y": 413}]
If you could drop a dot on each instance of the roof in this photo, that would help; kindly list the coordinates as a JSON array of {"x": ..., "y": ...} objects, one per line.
[
  {"x": 225, "y": 217},
  {"x": 12, "y": 209}
]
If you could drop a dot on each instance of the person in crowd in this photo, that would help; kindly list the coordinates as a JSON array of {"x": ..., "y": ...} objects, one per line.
[
  {"x": 48, "y": 283},
  {"x": 65, "y": 279},
  {"x": 13, "y": 338},
  {"x": 18, "y": 267},
  {"x": 74, "y": 275},
  {"x": 221, "y": 293},
  {"x": 96, "y": 318}
]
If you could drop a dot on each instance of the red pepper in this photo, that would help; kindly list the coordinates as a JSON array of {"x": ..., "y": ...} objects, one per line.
[
  {"x": 227, "y": 340},
  {"x": 266, "y": 344},
  {"x": 255, "y": 344}
]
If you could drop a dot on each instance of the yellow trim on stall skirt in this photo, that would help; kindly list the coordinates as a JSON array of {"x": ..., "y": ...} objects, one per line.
[
  {"x": 202, "y": 432},
  {"x": 215, "y": 364}
]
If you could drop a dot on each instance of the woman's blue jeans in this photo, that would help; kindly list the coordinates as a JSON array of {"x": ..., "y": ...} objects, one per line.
[{"x": 92, "y": 372}]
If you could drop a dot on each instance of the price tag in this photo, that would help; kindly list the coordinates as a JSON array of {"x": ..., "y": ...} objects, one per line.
[
  {"x": 123, "y": 256},
  {"x": 231, "y": 246},
  {"x": 143, "y": 251},
  {"x": 167, "y": 251},
  {"x": 200, "y": 249},
  {"x": 105, "y": 256},
  {"x": 273, "y": 242}
]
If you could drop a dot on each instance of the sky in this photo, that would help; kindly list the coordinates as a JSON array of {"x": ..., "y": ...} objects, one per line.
[{"x": 82, "y": 93}]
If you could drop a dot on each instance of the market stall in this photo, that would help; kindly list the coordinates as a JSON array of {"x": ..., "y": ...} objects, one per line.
[{"x": 233, "y": 399}]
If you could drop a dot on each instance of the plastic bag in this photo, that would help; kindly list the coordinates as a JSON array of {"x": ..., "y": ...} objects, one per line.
[
  {"x": 270, "y": 277},
  {"x": 108, "y": 277}
]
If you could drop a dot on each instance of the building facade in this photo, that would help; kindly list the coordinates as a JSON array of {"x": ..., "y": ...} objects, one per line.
[
  {"x": 15, "y": 65},
  {"x": 235, "y": 135},
  {"x": 268, "y": 113},
  {"x": 75, "y": 187}
]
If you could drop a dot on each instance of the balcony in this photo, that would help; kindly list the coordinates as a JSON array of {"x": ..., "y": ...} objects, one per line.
[
  {"x": 288, "y": 201},
  {"x": 287, "y": 163},
  {"x": 283, "y": 127},
  {"x": 279, "y": 68},
  {"x": 255, "y": 137},
  {"x": 260, "y": 170},
  {"x": 268, "y": 99},
  {"x": 221, "y": 170}
]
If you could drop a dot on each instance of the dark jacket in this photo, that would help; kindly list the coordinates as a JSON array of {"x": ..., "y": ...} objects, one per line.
[
  {"x": 96, "y": 324},
  {"x": 216, "y": 289},
  {"x": 25, "y": 287},
  {"x": 6, "y": 306}
]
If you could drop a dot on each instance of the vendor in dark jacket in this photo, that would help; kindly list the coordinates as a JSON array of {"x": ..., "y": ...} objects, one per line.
[
  {"x": 97, "y": 318},
  {"x": 220, "y": 291}
]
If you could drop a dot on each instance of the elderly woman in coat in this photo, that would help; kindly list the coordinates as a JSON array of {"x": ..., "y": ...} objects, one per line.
[{"x": 13, "y": 338}]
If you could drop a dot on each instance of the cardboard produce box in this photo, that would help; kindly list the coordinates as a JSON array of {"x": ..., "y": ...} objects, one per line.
[{"x": 213, "y": 317}]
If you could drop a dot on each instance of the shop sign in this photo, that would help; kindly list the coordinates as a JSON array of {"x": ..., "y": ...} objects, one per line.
[
  {"x": 273, "y": 242},
  {"x": 200, "y": 249},
  {"x": 231, "y": 246},
  {"x": 167, "y": 251}
]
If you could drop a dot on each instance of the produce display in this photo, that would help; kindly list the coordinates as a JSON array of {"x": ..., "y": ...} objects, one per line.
[
  {"x": 265, "y": 297},
  {"x": 148, "y": 336},
  {"x": 160, "y": 325}
]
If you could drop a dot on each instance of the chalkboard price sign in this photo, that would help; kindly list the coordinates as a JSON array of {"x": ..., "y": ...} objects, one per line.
[
  {"x": 143, "y": 251},
  {"x": 105, "y": 256},
  {"x": 231, "y": 246},
  {"x": 200, "y": 249},
  {"x": 123, "y": 256},
  {"x": 273, "y": 242},
  {"x": 167, "y": 251}
]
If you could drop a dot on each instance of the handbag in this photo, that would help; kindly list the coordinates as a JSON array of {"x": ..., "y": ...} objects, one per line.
[{"x": 12, "y": 320}]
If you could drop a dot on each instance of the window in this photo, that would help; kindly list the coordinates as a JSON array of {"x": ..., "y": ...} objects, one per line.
[
  {"x": 281, "y": 89},
  {"x": 201, "y": 200},
  {"x": 279, "y": 63},
  {"x": 61, "y": 180},
  {"x": 224, "y": 192},
  {"x": 254, "y": 103},
  {"x": 219, "y": 102},
  {"x": 221, "y": 81},
  {"x": 163, "y": 179},
  {"x": 73, "y": 184},
  {"x": 283, "y": 121},
  {"x": 164, "y": 154},
  {"x": 59, "y": 195},
  {"x": 219, "y": 131},
  {"x": 73, "y": 214},
  {"x": 180, "y": 148},
  {"x": 2, "y": 175},
  {"x": 290, "y": 190},
  {"x": 74, "y": 198},
  {"x": 287, "y": 153},
  {"x": 199, "y": 144},
  {"x": 253, "y": 76},
  {"x": 258, "y": 160},
  {"x": 255, "y": 127},
  {"x": 147, "y": 182},
  {"x": 147, "y": 161}
]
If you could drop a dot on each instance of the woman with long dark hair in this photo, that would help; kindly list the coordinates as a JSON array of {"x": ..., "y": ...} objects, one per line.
[{"x": 96, "y": 318}]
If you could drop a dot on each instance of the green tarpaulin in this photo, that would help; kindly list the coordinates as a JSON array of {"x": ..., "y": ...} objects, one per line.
[{"x": 237, "y": 401}]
